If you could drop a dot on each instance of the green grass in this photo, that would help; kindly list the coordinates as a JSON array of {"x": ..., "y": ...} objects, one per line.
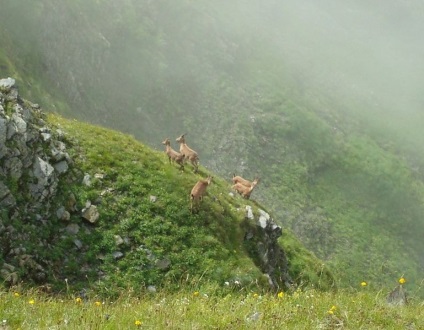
[{"x": 191, "y": 308}]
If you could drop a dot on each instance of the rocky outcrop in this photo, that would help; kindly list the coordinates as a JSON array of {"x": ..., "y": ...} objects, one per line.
[
  {"x": 261, "y": 238},
  {"x": 32, "y": 159}
]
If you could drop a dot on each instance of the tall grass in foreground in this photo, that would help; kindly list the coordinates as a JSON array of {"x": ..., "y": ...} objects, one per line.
[{"x": 309, "y": 309}]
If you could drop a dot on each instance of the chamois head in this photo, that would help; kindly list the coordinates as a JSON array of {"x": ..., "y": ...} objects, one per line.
[
  {"x": 181, "y": 138},
  {"x": 167, "y": 142},
  {"x": 209, "y": 179}
]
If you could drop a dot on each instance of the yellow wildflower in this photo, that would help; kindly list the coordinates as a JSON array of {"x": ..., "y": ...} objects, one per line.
[
  {"x": 255, "y": 295},
  {"x": 196, "y": 293},
  {"x": 280, "y": 294},
  {"x": 98, "y": 303},
  {"x": 364, "y": 283},
  {"x": 31, "y": 302},
  {"x": 332, "y": 310},
  {"x": 78, "y": 300},
  {"x": 16, "y": 294},
  {"x": 137, "y": 323},
  {"x": 402, "y": 280}
]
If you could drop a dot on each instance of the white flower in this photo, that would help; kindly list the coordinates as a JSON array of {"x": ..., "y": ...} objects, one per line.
[{"x": 227, "y": 283}]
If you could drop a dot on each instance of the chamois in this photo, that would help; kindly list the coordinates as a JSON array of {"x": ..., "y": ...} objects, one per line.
[
  {"x": 188, "y": 153},
  {"x": 173, "y": 155},
  {"x": 198, "y": 191},
  {"x": 243, "y": 190},
  {"x": 238, "y": 179}
]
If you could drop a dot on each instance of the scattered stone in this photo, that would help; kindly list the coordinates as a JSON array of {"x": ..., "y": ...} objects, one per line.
[
  {"x": 249, "y": 235},
  {"x": 4, "y": 191},
  {"x": 87, "y": 180},
  {"x": 153, "y": 198},
  {"x": 262, "y": 222},
  {"x": 254, "y": 317},
  {"x": 61, "y": 167},
  {"x": 78, "y": 244},
  {"x": 43, "y": 173},
  {"x": 7, "y": 83},
  {"x": 163, "y": 264},
  {"x": 151, "y": 289},
  {"x": 72, "y": 229},
  {"x": 118, "y": 240},
  {"x": 46, "y": 137},
  {"x": 249, "y": 212},
  {"x": 90, "y": 213},
  {"x": 62, "y": 214},
  {"x": 99, "y": 176},
  {"x": 71, "y": 203},
  {"x": 397, "y": 297},
  {"x": 117, "y": 255}
]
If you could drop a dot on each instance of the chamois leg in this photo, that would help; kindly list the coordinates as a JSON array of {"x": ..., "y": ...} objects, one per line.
[{"x": 195, "y": 165}]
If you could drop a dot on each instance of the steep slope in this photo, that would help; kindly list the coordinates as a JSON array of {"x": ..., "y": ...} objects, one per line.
[{"x": 87, "y": 207}]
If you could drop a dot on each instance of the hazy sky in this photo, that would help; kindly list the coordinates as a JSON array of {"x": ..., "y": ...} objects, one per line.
[{"x": 366, "y": 55}]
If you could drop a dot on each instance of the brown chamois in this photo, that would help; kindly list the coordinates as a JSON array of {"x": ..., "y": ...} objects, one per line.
[
  {"x": 243, "y": 190},
  {"x": 238, "y": 179},
  {"x": 198, "y": 191},
  {"x": 188, "y": 153},
  {"x": 173, "y": 155}
]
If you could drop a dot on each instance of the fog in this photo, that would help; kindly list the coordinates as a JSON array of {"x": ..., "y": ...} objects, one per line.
[
  {"x": 367, "y": 53},
  {"x": 361, "y": 56}
]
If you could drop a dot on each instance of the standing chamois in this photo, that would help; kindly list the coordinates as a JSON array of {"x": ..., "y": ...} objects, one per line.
[
  {"x": 188, "y": 153},
  {"x": 198, "y": 191},
  {"x": 173, "y": 155},
  {"x": 243, "y": 190},
  {"x": 238, "y": 179}
]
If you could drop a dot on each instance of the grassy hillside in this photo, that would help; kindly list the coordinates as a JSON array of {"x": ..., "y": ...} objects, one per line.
[
  {"x": 335, "y": 170},
  {"x": 146, "y": 234}
]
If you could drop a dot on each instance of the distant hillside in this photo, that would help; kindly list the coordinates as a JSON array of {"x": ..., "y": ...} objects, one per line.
[{"x": 337, "y": 167}]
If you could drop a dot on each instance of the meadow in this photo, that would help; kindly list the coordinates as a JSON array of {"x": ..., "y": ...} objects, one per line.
[{"x": 230, "y": 307}]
